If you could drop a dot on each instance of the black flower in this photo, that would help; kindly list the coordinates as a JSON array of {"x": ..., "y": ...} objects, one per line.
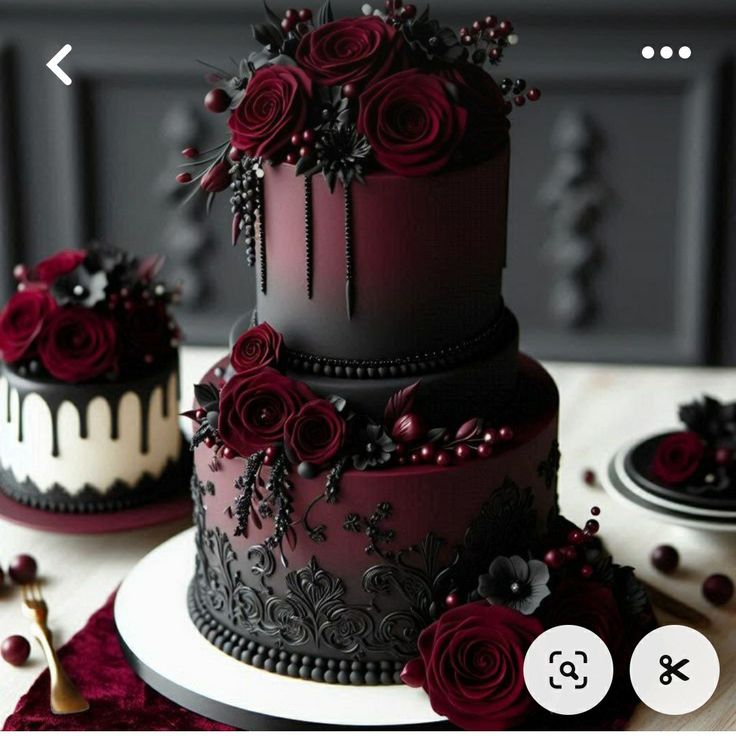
[
  {"x": 710, "y": 419},
  {"x": 515, "y": 583},
  {"x": 375, "y": 448}
]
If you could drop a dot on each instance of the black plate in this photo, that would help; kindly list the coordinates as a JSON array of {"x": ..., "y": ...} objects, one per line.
[{"x": 638, "y": 464}]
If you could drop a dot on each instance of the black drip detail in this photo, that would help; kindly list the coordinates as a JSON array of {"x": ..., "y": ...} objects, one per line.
[
  {"x": 261, "y": 208},
  {"x": 55, "y": 393},
  {"x": 118, "y": 497},
  {"x": 308, "y": 244},
  {"x": 349, "y": 265}
]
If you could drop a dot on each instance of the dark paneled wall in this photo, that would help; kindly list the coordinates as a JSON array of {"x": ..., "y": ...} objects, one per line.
[{"x": 622, "y": 233}]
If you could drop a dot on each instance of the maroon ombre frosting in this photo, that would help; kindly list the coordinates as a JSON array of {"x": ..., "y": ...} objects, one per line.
[{"x": 428, "y": 255}]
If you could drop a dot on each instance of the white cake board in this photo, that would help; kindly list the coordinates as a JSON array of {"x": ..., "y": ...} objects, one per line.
[{"x": 167, "y": 652}]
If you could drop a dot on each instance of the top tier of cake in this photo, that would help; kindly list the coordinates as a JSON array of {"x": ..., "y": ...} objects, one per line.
[{"x": 396, "y": 267}]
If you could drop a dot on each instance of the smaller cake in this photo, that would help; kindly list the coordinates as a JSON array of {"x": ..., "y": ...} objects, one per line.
[
  {"x": 694, "y": 467},
  {"x": 89, "y": 384}
]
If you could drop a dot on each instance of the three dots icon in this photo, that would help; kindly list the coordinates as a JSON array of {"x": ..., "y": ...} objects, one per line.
[{"x": 666, "y": 52}]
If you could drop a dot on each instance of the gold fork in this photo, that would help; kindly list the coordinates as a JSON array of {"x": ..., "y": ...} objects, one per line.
[{"x": 65, "y": 698}]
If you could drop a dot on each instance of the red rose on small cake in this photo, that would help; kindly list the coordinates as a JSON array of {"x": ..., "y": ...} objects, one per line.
[{"x": 89, "y": 384}]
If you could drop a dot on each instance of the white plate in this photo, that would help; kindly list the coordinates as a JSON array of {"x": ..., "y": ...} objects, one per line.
[
  {"x": 621, "y": 487},
  {"x": 168, "y": 652}
]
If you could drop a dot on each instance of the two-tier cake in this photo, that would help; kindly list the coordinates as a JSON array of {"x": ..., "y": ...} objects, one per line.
[
  {"x": 375, "y": 446},
  {"x": 89, "y": 384}
]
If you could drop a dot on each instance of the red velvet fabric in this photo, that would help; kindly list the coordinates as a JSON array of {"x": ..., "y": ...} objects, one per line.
[{"x": 118, "y": 699}]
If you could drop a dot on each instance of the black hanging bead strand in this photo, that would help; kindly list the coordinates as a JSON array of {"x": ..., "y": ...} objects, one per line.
[
  {"x": 308, "y": 244},
  {"x": 349, "y": 287},
  {"x": 262, "y": 229}
]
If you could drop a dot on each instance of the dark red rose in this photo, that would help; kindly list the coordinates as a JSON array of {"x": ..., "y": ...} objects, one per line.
[
  {"x": 274, "y": 107},
  {"x": 413, "y": 126},
  {"x": 21, "y": 322},
  {"x": 591, "y": 605},
  {"x": 678, "y": 457},
  {"x": 60, "y": 264},
  {"x": 487, "y": 126},
  {"x": 78, "y": 345},
  {"x": 316, "y": 434},
  {"x": 254, "y": 409},
  {"x": 471, "y": 664},
  {"x": 257, "y": 348},
  {"x": 350, "y": 51}
]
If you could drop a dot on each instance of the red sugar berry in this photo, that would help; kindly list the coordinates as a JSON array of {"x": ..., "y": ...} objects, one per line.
[
  {"x": 443, "y": 458},
  {"x": 235, "y": 154},
  {"x": 533, "y": 94},
  {"x": 569, "y": 552},
  {"x": 519, "y": 100},
  {"x": 184, "y": 178},
  {"x": 586, "y": 571},
  {"x": 491, "y": 436},
  {"x": 305, "y": 15},
  {"x": 505, "y": 27},
  {"x": 463, "y": 452},
  {"x": 595, "y": 511},
  {"x": 554, "y": 559},
  {"x": 665, "y": 558},
  {"x": 464, "y": 31},
  {"x": 291, "y": 158},
  {"x": 592, "y": 526},
  {"x": 415, "y": 458},
  {"x": 426, "y": 453},
  {"x": 466, "y": 40},
  {"x": 308, "y": 136},
  {"x": 229, "y": 454},
  {"x": 485, "y": 449},
  {"x": 576, "y": 537},
  {"x": 409, "y": 11},
  {"x": 718, "y": 589},
  {"x": 217, "y": 100},
  {"x": 190, "y": 152},
  {"x": 477, "y": 26},
  {"x": 490, "y": 21},
  {"x": 304, "y": 151},
  {"x": 349, "y": 90},
  {"x": 200, "y": 415},
  {"x": 23, "y": 569},
  {"x": 724, "y": 456},
  {"x": 209, "y": 442},
  {"x": 291, "y": 14},
  {"x": 494, "y": 54},
  {"x": 451, "y": 600},
  {"x": 296, "y": 140},
  {"x": 589, "y": 477},
  {"x": 506, "y": 434},
  {"x": 288, "y": 24},
  {"x": 15, "y": 650}
]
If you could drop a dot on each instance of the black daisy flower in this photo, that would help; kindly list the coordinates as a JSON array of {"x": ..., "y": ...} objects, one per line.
[{"x": 515, "y": 583}]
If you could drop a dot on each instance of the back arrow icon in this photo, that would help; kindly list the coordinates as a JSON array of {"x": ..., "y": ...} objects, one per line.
[{"x": 53, "y": 64}]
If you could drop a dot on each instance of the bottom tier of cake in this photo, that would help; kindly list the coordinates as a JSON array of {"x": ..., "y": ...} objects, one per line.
[{"x": 366, "y": 565}]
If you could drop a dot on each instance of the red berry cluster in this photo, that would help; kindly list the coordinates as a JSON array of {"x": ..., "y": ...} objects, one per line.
[
  {"x": 398, "y": 13},
  {"x": 513, "y": 91},
  {"x": 15, "y": 649},
  {"x": 487, "y": 38},
  {"x": 296, "y": 21},
  {"x": 302, "y": 146},
  {"x": 412, "y": 447},
  {"x": 569, "y": 555}
]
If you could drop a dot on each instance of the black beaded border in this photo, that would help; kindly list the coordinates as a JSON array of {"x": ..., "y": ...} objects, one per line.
[
  {"x": 120, "y": 497},
  {"x": 422, "y": 363},
  {"x": 331, "y": 671}
]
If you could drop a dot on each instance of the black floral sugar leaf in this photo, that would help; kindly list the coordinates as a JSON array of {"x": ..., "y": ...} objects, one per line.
[
  {"x": 325, "y": 14},
  {"x": 206, "y": 393}
]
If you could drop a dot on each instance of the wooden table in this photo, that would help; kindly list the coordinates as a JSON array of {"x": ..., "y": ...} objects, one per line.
[{"x": 603, "y": 407}]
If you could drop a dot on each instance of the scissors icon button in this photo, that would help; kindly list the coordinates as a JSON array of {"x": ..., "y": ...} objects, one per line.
[{"x": 671, "y": 670}]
